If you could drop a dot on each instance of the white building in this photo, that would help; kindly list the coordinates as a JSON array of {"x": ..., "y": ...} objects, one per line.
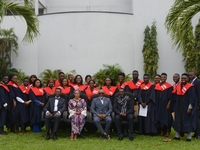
[{"x": 84, "y": 34}]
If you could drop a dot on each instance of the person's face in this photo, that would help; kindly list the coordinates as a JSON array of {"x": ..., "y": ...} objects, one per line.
[
  {"x": 184, "y": 79},
  {"x": 76, "y": 94},
  {"x": 64, "y": 82},
  {"x": 37, "y": 83},
  {"x": 108, "y": 81},
  {"x": 121, "y": 78},
  {"x": 176, "y": 78},
  {"x": 26, "y": 82},
  {"x": 51, "y": 83},
  {"x": 87, "y": 79},
  {"x": 33, "y": 79},
  {"x": 70, "y": 77},
  {"x": 121, "y": 93},
  {"x": 163, "y": 78},
  {"x": 78, "y": 79},
  {"x": 157, "y": 79},
  {"x": 91, "y": 83},
  {"x": 14, "y": 79},
  {"x": 135, "y": 75},
  {"x": 57, "y": 92},
  {"x": 101, "y": 92},
  {"x": 61, "y": 76},
  {"x": 191, "y": 75},
  {"x": 5, "y": 79},
  {"x": 146, "y": 79}
]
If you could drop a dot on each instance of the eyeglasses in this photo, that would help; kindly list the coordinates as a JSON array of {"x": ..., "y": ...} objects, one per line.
[{"x": 101, "y": 93}]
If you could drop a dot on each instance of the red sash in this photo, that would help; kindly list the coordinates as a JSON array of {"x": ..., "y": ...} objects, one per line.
[
  {"x": 24, "y": 89},
  {"x": 37, "y": 91},
  {"x": 183, "y": 90},
  {"x": 122, "y": 86},
  {"x": 70, "y": 83},
  {"x": 89, "y": 93},
  {"x": 81, "y": 87},
  {"x": 145, "y": 87},
  {"x": 65, "y": 90},
  {"x": 5, "y": 87},
  {"x": 49, "y": 90},
  {"x": 162, "y": 87},
  {"x": 57, "y": 83},
  {"x": 109, "y": 91},
  {"x": 134, "y": 86},
  {"x": 13, "y": 84},
  {"x": 175, "y": 87}
]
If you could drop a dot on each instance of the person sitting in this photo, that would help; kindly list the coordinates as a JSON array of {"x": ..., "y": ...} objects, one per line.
[
  {"x": 101, "y": 108},
  {"x": 78, "y": 110},
  {"x": 53, "y": 110},
  {"x": 123, "y": 108}
]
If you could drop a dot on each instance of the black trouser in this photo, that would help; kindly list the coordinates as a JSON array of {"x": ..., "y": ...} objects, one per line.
[
  {"x": 48, "y": 120},
  {"x": 198, "y": 123},
  {"x": 130, "y": 120}
]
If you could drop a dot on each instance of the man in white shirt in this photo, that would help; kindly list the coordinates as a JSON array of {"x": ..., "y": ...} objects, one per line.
[{"x": 53, "y": 110}]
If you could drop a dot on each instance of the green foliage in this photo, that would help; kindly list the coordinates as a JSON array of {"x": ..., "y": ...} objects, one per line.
[
  {"x": 197, "y": 47},
  {"x": 150, "y": 50},
  {"x": 8, "y": 43},
  {"x": 25, "y": 11},
  {"x": 48, "y": 73},
  {"x": 178, "y": 20},
  {"x": 111, "y": 71}
]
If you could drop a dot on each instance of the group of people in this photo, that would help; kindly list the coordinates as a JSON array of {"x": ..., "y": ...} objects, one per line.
[{"x": 167, "y": 105}]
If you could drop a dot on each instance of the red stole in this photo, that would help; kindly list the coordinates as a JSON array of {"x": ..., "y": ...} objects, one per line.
[
  {"x": 183, "y": 90},
  {"x": 122, "y": 86},
  {"x": 175, "y": 87},
  {"x": 89, "y": 93},
  {"x": 13, "y": 84},
  {"x": 57, "y": 83},
  {"x": 65, "y": 90},
  {"x": 81, "y": 87},
  {"x": 24, "y": 89},
  {"x": 109, "y": 91},
  {"x": 49, "y": 90},
  {"x": 145, "y": 87},
  {"x": 162, "y": 87},
  {"x": 134, "y": 86},
  {"x": 37, "y": 91},
  {"x": 5, "y": 87},
  {"x": 70, "y": 83}
]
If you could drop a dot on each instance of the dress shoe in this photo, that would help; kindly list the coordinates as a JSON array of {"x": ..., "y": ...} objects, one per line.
[
  {"x": 176, "y": 138},
  {"x": 106, "y": 136},
  {"x": 198, "y": 137},
  {"x": 55, "y": 137},
  {"x": 120, "y": 138},
  {"x": 188, "y": 140},
  {"x": 47, "y": 137},
  {"x": 131, "y": 138}
]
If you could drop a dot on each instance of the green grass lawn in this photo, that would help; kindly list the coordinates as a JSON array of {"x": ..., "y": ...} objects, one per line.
[{"x": 92, "y": 141}]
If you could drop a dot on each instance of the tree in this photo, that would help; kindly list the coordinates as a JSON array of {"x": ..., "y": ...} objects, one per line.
[
  {"x": 178, "y": 20},
  {"x": 25, "y": 11},
  {"x": 197, "y": 47},
  {"x": 150, "y": 50}
]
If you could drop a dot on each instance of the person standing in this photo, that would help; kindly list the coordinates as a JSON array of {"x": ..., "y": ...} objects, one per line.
[
  {"x": 58, "y": 82},
  {"x": 122, "y": 84},
  {"x": 185, "y": 108}
]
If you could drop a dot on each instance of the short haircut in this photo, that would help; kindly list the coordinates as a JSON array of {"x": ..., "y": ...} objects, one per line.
[
  {"x": 121, "y": 74},
  {"x": 135, "y": 71},
  {"x": 58, "y": 89},
  {"x": 163, "y": 74},
  {"x": 192, "y": 71},
  {"x": 157, "y": 75},
  {"x": 26, "y": 78},
  {"x": 185, "y": 74},
  {"x": 177, "y": 74},
  {"x": 146, "y": 75},
  {"x": 60, "y": 73},
  {"x": 5, "y": 76}
]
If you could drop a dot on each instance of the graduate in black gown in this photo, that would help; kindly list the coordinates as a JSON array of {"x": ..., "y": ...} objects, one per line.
[
  {"x": 4, "y": 98},
  {"x": 185, "y": 108},
  {"x": 146, "y": 125},
  {"x": 37, "y": 95},
  {"x": 162, "y": 95},
  {"x": 122, "y": 84}
]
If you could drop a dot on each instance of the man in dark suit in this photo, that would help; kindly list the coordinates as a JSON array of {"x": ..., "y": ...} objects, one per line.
[
  {"x": 53, "y": 110},
  {"x": 101, "y": 108},
  {"x": 196, "y": 82},
  {"x": 123, "y": 108}
]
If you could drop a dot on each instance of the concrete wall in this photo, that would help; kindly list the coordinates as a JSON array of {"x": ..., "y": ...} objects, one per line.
[{"x": 84, "y": 41}]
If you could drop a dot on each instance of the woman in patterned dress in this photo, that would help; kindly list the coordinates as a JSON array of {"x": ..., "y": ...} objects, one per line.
[{"x": 77, "y": 112}]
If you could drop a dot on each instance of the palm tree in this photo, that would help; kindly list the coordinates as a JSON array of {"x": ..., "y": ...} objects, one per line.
[
  {"x": 179, "y": 18},
  {"x": 25, "y": 11}
]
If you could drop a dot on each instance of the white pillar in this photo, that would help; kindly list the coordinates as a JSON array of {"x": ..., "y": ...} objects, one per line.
[{"x": 36, "y": 7}]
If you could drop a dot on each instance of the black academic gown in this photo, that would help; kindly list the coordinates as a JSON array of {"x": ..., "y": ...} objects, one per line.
[
  {"x": 35, "y": 110},
  {"x": 3, "y": 99},
  {"x": 183, "y": 122},
  {"x": 163, "y": 117},
  {"x": 146, "y": 125}
]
